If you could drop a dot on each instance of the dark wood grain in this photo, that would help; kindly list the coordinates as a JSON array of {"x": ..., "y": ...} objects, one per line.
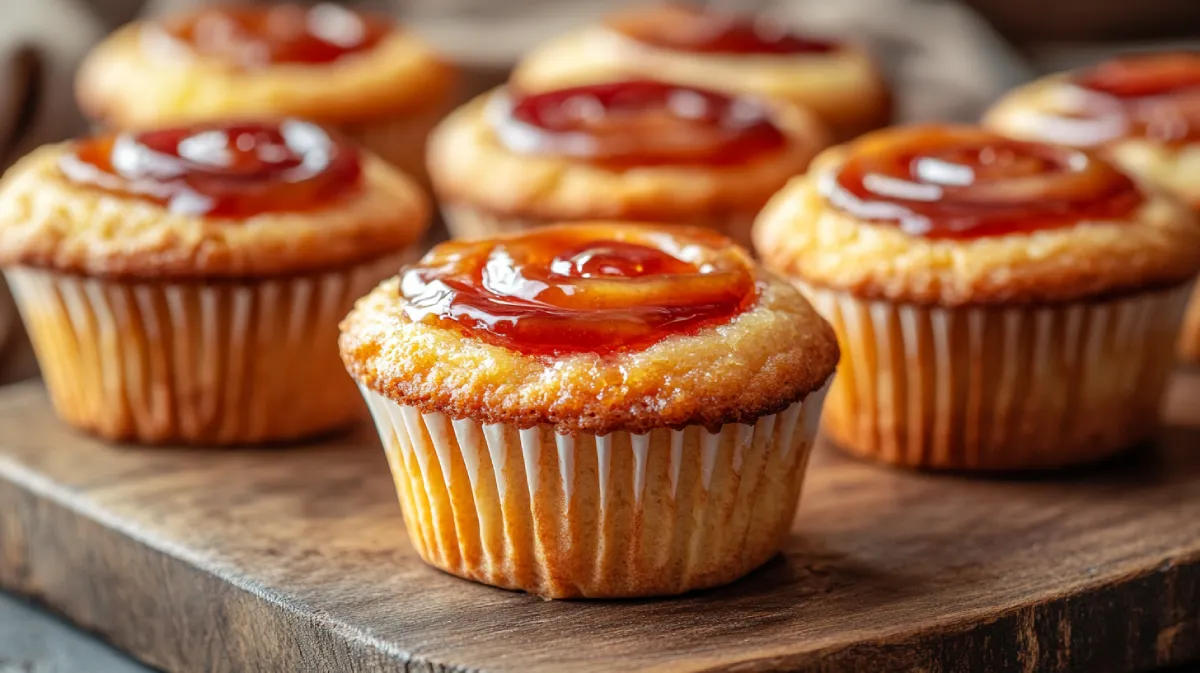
[{"x": 295, "y": 560}]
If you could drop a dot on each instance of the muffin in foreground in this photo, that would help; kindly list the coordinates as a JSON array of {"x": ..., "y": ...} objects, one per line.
[
  {"x": 368, "y": 77},
  {"x": 1141, "y": 111},
  {"x": 705, "y": 47},
  {"x": 593, "y": 410},
  {"x": 635, "y": 150},
  {"x": 185, "y": 285},
  {"x": 1000, "y": 304}
]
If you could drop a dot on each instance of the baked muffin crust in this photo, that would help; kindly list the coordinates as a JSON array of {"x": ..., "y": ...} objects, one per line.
[
  {"x": 844, "y": 87},
  {"x": 764, "y": 359},
  {"x": 126, "y": 86},
  {"x": 801, "y": 235},
  {"x": 1023, "y": 112},
  {"x": 48, "y": 221},
  {"x": 470, "y": 165}
]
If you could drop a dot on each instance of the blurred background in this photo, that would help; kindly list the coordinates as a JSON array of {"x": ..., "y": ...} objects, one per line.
[{"x": 946, "y": 58}]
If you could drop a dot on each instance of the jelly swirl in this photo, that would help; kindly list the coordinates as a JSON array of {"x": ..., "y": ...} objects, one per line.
[
  {"x": 1155, "y": 96},
  {"x": 699, "y": 30},
  {"x": 257, "y": 37},
  {"x": 1159, "y": 95},
  {"x": 220, "y": 170},
  {"x": 636, "y": 122},
  {"x": 592, "y": 288},
  {"x": 963, "y": 182}
]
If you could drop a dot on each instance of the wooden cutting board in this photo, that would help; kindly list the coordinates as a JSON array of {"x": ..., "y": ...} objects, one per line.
[{"x": 295, "y": 559}]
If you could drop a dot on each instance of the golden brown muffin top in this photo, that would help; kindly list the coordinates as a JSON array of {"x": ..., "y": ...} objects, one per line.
[
  {"x": 143, "y": 77},
  {"x": 560, "y": 353},
  {"x": 1141, "y": 111},
  {"x": 1077, "y": 231},
  {"x": 470, "y": 163},
  {"x": 249, "y": 200},
  {"x": 838, "y": 80}
]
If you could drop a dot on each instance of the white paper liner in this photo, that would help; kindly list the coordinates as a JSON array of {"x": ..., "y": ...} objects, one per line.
[
  {"x": 596, "y": 516},
  {"x": 998, "y": 388},
  {"x": 1189, "y": 339},
  {"x": 467, "y": 222},
  {"x": 200, "y": 363}
]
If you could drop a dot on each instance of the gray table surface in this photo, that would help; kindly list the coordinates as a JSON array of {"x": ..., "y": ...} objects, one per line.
[{"x": 34, "y": 641}]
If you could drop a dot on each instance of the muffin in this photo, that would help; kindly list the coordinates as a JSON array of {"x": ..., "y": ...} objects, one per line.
[
  {"x": 635, "y": 150},
  {"x": 1141, "y": 111},
  {"x": 185, "y": 285},
  {"x": 593, "y": 410},
  {"x": 1001, "y": 305},
  {"x": 700, "y": 46},
  {"x": 372, "y": 80}
]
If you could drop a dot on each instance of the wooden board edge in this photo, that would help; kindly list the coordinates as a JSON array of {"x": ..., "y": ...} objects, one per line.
[
  {"x": 147, "y": 601},
  {"x": 144, "y": 597},
  {"x": 1145, "y": 620},
  {"x": 1142, "y": 621}
]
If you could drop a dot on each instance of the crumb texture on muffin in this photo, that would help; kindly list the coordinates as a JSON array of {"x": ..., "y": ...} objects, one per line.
[
  {"x": 469, "y": 164},
  {"x": 1024, "y": 112},
  {"x": 801, "y": 235},
  {"x": 757, "y": 364},
  {"x": 844, "y": 87},
  {"x": 126, "y": 85},
  {"x": 50, "y": 222}
]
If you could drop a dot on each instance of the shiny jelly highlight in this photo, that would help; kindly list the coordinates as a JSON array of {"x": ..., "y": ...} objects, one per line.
[
  {"x": 598, "y": 289},
  {"x": 257, "y": 37},
  {"x": 1153, "y": 96},
  {"x": 221, "y": 170},
  {"x": 636, "y": 123},
  {"x": 962, "y": 182},
  {"x": 1150, "y": 96}
]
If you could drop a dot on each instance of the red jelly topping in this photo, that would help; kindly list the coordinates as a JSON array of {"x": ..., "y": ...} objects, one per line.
[
  {"x": 636, "y": 123},
  {"x": 254, "y": 37},
  {"x": 962, "y": 182},
  {"x": 1142, "y": 76},
  {"x": 1153, "y": 96},
  {"x": 221, "y": 170},
  {"x": 695, "y": 29},
  {"x": 581, "y": 288},
  {"x": 1159, "y": 95}
]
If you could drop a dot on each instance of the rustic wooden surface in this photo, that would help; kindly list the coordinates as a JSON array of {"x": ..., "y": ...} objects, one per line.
[{"x": 295, "y": 559}]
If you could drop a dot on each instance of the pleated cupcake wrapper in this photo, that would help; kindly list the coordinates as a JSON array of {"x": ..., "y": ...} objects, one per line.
[
  {"x": 466, "y": 222},
  {"x": 596, "y": 516},
  {"x": 10, "y": 327},
  {"x": 998, "y": 388},
  {"x": 200, "y": 363},
  {"x": 1189, "y": 340}
]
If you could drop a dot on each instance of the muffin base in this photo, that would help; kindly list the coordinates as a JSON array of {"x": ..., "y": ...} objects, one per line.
[
  {"x": 1189, "y": 339},
  {"x": 617, "y": 515},
  {"x": 10, "y": 337},
  {"x": 196, "y": 363},
  {"x": 998, "y": 388},
  {"x": 467, "y": 221}
]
